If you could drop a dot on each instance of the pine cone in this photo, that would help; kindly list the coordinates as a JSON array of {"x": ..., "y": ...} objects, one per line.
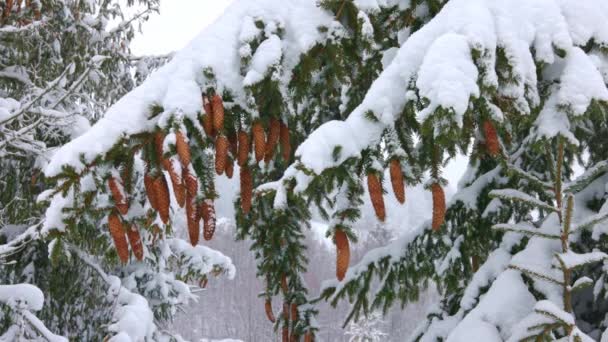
[
  {"x": 208, "y": 208},
  {"x": 243, "y": 152},
  {"x": 162, "y": 198},
  {"x": 183, "y": 150},
  {"x": 191, "y": 182},
  {"x": 193, "y": 219},
  {"x": 438, "y": 206},
  {"x": 259, "y": 140},
  {"x": 342, "y": 253},
  {"x": 284, "y": 285},
  {"x": 221, "y": 154},
  {"x": 120, "y": 199},
  {"x": 492, "y": 144},
  {"x": 375, "y": 193},
  {"x": 159, "y": 139},
  {"x": 135, "y": 242},
  {"x": 294, "y": 311},
  {"x": 203, "y": 283},
  {"x": 286, "y": 326},
  {"x": 246, "y": 189},
  {"x": 229, "y": 168},
  {"x": 179, "y": 190},
  {"x": 273, "y": 139},
  {"x": 397, "y": 180},
  {"x": 269, "y": 313},
  {"x": 308, "y": 337},
  {"x": 207, "y": 119},
  {"x": 118, "y": 235},
  {"x": 285, "y": 143},
  {"x": 218, "y": 112},
  {"x": 233, "y": 142}
]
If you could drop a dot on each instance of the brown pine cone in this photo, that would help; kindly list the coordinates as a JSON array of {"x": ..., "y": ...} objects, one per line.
[
  {"x": 159, "y": 139},
  {"x": 308, "y": 337},
  {"x": 243, "y": 152},
  {"x": 191, "y": 182},
  {"x": 135, "y": 242},
  {"x": 207, "y": 118},
  {"x": 221, "y": 154},
  {"x": 120, "y": 199},
  {"x": 342, "y": 254},
  {"x": 179, "y": 190},
  {"x": 118, "y": 235},
  {"x": 397, "y": 180},
  {"x": 150, "y": 191},
  {"x": 285, "y": 143},
  {"x": 218, "y": 112},
  {"x": 246, "y": 189},
  {"x": 438, "y": 206},
  {"x": 259, "y": 140},
  {"x": 233, "y": 142},
  {"x": 162, "y": 198},
  {"x": 284, "y": 285},
  {"x": 286, "y": 327},
  {"x": 229, "y": 168},
  {"x": 208, "y": 208},
  {"x": 272, "y": 139},
  {"x": 375, "y": 193},
  {"x": 269, "y": 313},
  {"x": 294, "y": 311},
  {"x": 193, "y": 219},
  {"x": 183, "y": 149},
  {"x": 492, "y": 144}
]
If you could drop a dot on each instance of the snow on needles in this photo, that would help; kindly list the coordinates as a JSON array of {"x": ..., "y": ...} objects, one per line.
[
  {"x": 177, "y": 85},
  {"x": 449, "y": 77}
]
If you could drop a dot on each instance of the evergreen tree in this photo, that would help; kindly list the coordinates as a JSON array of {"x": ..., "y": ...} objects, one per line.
[
  {"x": 62, "y": 64},
  {"x": 310, "y": 105}
]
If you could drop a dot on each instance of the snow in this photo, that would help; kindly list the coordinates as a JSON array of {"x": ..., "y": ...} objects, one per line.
[
  {"x": 177, "y": 86},
  {"x": 448, "y": 76},
  {"x": 572, "y": 260},
  {"x": 267, "y": 55},
  {"x": 24, "y": 296}
]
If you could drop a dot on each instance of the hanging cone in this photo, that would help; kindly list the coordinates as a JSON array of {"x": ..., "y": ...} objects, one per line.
[
  {"x": 269, "y": 313},
  {"x": 438, "y": 206},
  {"x": 342, "y": 254},
  {"x": 229, "y": 168},
  {"x": 192, "y": 217},
  {"x": 159, "y": 139},
  {"x": 243, "y": 152},
  {"x": 203, "y": 283},
  {"x": 135, "y": 242},
  {"x": 218, "y": 112},
  {"x": 118, "y": 194},
  {"x": 308, "y": 337},
  {"x": 179, "y": 190},
  {"x": 191, "y": 182},
  {"x": 285, "y": 143},
  {"x": 284, "y": 285},
  {"x": 294, "y": 311},
  {"x": 233, "y": 143},
  {"x": 208, "y": 211},
  {"x": 183, "y": 150},
  {"x": 221, "y": 154},
  {"x": 397, "y": 180},
  {"x": 246, "y": 189},
  {"x": 273, "y": 139},
  {"x": 162, "y": 198},
  {"x": 259, "y": 140},
  {"x": 492, "y": 144},
  {"x": 207, "y": 118},
  {"x": 375, "y": 193},
  {"x": 150, "y": 191},
  {"x": 286, "y": 326},
  {"x": 118, "y": 235}
]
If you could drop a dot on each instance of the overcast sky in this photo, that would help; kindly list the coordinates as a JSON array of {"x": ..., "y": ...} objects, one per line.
[{"x": 179, "y": 21}]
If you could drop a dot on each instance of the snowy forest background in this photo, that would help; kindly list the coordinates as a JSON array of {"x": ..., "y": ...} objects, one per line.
[{"x": 236, "y": 187}]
